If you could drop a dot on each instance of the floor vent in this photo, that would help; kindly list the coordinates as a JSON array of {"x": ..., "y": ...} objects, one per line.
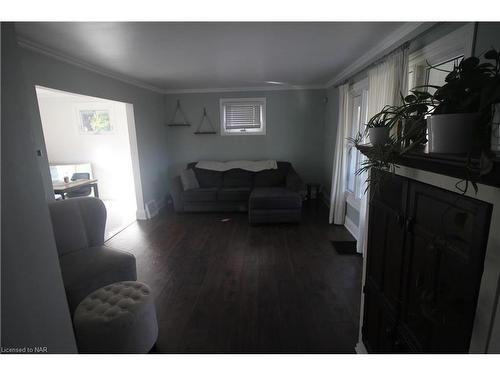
[{"x": 151, "y": 209}]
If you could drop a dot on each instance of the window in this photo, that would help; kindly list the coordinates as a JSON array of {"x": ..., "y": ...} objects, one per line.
[
  {"x": 442, "y": 54},
  {"x": 243, "y": 116},
  {"x": 358, "y": 119},
  {"x": 95, "y": 121},
  {"x": 436, "y": 76}
]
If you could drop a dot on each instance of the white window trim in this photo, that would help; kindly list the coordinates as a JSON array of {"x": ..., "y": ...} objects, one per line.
[
  {"x": 223, "y": 101},
  {"x": 359, "y": 88},
  {"x": 457, "y": 43}
]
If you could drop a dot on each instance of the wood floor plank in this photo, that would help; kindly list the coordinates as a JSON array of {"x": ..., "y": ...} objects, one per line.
[{"x": 229, "y": 287}]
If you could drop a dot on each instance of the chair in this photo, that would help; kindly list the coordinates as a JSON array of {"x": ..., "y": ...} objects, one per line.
[
  {"x": 86, "y": 264},
  {"x": 84, "y": 191}
]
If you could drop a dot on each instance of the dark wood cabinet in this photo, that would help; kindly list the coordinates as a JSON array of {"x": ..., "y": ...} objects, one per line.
[{"x": 425, "y": 259}]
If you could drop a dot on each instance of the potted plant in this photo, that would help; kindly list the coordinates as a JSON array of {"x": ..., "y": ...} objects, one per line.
[
  {"x": 379, "y": 125},
  {"x": 463, "y": 107}
]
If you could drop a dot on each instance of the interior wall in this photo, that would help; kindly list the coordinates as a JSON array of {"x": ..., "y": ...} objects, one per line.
[
  {"x": 487, "y": 37},
  {"x": 294, "y": 131},
  {"x": 330, "y": 134},
  {"x": 34, "y": 310},
  {"x": 46, "y": 71},
  {"x": 109, "y": 154}
]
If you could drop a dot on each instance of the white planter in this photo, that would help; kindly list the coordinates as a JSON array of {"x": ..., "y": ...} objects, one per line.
[
  {"x": 452, "y": 133},
  {"x": 378, "y": 136}
]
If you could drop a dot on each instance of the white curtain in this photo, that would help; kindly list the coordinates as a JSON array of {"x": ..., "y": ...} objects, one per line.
[
  {"x": 337, "y": 200},
  {"x": 387, "y": 81}
]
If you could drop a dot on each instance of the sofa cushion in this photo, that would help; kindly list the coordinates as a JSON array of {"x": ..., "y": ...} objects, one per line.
[
  {"x": 200, "y": 195},
  {"x": 188, "y": 180},
  {"x": 207, "y": 178},
  {"x": 86, "y": 270},
  {"x": 274, "y": 198},
  {"x": 270, "y": 178},
  {"x": 233, "y": 194},
  {"x": 238, "y": 178}
]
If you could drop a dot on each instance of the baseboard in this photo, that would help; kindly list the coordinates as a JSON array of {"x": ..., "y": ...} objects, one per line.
[
  {"x": 360, "y": 348},
  {"x": 141, "y": 214},
  {"x": 152, "y": 208},
  {"x": 351, "y": 227}
]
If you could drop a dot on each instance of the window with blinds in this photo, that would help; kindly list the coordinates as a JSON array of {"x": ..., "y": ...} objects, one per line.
[{"x": 242, "y": 116}]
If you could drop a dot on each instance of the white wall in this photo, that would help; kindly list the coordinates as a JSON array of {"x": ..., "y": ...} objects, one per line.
[
  {"x": 108, "y": 153},
  {"x": 34, "y": 310},
  {"x": 46, "y": 71}
]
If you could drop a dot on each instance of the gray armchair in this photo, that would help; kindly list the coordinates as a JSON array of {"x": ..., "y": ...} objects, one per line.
[{"x": 86, "y": 264}]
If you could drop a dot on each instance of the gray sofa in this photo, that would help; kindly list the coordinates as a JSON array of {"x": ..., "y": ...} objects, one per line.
[
  {"x": 86, "y": 264},
  {"x": 269, "y": 196}
]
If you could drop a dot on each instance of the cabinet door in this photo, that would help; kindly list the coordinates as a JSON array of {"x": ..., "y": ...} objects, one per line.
[
  {"x": 380, "y": 331},
  {"x": 384, "y": 262},
  {"x": 385, "y": 238},
  {"x": 445, "y": 247}
]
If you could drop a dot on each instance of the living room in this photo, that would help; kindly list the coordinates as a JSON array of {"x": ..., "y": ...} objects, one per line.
[{"x": 263, "y": 224}]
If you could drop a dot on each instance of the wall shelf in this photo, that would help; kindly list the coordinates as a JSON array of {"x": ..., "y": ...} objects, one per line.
[
  {"x": 445, "y": 164},
  {"x": 174, "y": 121},
  {"x": 205, "y": 119}
]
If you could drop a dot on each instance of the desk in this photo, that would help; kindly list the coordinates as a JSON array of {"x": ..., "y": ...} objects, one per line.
[{"x": 62, "y": 188}]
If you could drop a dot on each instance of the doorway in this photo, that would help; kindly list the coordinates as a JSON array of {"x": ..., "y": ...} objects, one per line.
[{"x": 91, "y": 139}]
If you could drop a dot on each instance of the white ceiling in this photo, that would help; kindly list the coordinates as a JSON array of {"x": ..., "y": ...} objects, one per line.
[{"x": 174, "y": 56}]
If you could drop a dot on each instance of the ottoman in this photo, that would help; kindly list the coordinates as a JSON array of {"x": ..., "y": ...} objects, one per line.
[
  {"x": 117, "y": 318},
  {"x": 274, "y": 205}
]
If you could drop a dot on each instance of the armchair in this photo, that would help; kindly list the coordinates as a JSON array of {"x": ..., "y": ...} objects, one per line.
[{"x": 86, "y": 263}]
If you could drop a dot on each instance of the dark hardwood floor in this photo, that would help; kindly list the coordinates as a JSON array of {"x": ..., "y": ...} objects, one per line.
[{"x": 228, "y": 287}]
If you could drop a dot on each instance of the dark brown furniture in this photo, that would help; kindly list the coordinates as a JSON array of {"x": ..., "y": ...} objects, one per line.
[
  {"x": 62, "y": 188},
  {"x": 425, "y": 258},
  {"x": 310, "y": 186}
]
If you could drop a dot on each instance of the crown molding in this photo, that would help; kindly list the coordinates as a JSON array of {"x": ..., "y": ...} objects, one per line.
[
  {"x": 400, "y": 36},
  {"x": 246, "y": 89},
  {"x": 36, "y": 47}
]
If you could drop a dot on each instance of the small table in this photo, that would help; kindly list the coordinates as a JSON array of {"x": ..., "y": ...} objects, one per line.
[
  {"x": 316, "y": 187},
  {"x": 62, "y": 188}
]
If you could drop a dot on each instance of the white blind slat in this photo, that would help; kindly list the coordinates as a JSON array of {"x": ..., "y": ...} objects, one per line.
[{"x": 246, "y": 115}]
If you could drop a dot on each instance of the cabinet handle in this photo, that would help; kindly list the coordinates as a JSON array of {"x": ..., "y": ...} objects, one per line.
[
  {"x": 418, "y": 280},
  {"x": 400, "y": 220},
  {"x": 409, "y": 224}
]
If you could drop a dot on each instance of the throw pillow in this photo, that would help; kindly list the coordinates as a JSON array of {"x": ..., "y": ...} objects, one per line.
[{"x": 188, "y": 179}]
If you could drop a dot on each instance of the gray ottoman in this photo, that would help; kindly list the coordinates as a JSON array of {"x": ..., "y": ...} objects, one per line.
[
  {"x": 117, "y": 318},
  {"x": 274, "y": 205}
]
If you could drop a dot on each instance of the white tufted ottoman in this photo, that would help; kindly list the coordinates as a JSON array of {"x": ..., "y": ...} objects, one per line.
[{"x": 118, "y": 318}]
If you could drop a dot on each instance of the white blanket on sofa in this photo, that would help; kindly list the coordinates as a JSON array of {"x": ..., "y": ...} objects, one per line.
[{"x": 248, "y": 165}]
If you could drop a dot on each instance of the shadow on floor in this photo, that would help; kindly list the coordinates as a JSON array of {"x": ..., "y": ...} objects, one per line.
[{"x": 223, "y": 286}]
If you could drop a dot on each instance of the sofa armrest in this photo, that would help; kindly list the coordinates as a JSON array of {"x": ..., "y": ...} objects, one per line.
[
  {"x": 294, "y": 182},
  {"x": 176, "y": 193}
]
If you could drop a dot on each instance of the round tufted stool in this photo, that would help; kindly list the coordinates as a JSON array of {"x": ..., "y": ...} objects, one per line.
[{"x": 118, "y": 318}]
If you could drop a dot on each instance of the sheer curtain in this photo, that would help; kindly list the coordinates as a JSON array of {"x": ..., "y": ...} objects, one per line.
[
  {"x": 386, "y": 81},
  {"x": 337, "y": 201}
]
